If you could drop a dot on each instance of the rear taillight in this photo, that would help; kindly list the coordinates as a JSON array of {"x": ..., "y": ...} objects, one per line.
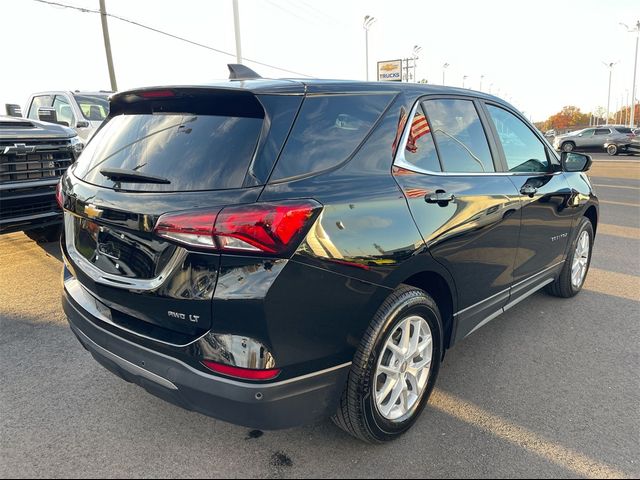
[
  {"x": 59, "y": 195},
  {"x": 243, "y": 373},
  {"x": 262, "y": 228}
]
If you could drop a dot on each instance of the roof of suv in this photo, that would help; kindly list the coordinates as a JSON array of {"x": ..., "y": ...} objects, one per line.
[{"x": 317, "y": 86}]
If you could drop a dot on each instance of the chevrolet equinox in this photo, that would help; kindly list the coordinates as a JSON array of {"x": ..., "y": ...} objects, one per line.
[{"x": 274, "y": 252}]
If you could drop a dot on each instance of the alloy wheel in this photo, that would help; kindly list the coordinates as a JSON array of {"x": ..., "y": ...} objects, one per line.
[
  {"x": 580, "y": 260},
  {"x": 403, "y": 368}
]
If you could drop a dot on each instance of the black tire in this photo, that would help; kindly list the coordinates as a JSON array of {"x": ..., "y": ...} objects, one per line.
[
  {"x": 46, "y": 234},
  {"x": 563, "y": 287},
  {"x": 612, "y": 150},
  {"x": 568, "y": 146},
  {"x": 357, "y": 413}
]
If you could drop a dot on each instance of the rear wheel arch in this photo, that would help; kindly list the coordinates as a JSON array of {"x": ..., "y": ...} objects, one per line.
[
  {"x": 592, "y": 214},
  {"x": 441, "y": 291}
]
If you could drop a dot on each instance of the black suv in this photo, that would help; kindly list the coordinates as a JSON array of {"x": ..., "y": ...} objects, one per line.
[
  {"x": 33, "y": 157},
  {"x": 272, "y": 252}
]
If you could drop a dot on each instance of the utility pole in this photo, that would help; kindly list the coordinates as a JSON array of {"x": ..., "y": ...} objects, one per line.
[
  {"x": 444, "y": 69},
  {"x": 635, "y": 70},
  {"x": 626, "y": 108},
  {"x": 236, "y": 26},
  {"x": 107, "y": 46},
  {"x": 481, "y": 78}
]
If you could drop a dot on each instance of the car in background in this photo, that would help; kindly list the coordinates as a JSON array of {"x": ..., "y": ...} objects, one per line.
[
  {"x": 82, "y": 111},
  {"x": 622, "y": 144},
  {"x": 589, "y": 138},
  {"x": 33, "y": 157},
  {"x": 550, "y": 133}
]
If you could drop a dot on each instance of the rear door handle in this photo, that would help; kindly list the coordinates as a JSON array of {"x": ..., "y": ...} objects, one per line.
[
  {"x": 528, "y": 190},
  {"x": 440, "y": 197}
]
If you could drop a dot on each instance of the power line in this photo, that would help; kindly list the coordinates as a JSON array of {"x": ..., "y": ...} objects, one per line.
[{"x": 176, "y": 37}]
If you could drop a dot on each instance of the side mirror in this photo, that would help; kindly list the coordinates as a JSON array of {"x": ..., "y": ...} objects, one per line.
[
  {"x": 47, "y": 114},
  {"x": 575, "y": 162},
  {"x": 82, "y": 124},
  {"x": 13, "y": 110}
]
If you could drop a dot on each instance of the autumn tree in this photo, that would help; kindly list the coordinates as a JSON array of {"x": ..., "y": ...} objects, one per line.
[{"x": 568, "y": 117}]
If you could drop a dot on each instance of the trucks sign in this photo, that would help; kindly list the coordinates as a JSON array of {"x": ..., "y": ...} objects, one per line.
[{"x": 390, "y": 71}]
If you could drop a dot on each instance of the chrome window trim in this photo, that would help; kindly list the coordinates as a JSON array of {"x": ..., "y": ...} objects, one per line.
[
  {"x": 401, "y": 161},
  {"x": 108, "y": 279}
]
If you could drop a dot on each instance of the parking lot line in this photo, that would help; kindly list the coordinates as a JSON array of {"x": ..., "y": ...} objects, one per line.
[
  {"x": 613, "y": 283},
  {"x": 574, "y": 461},
  {"x": 624, "y": 204},
  {"x": 618, "y": 231},
  {"x": 616, "y": 186}
]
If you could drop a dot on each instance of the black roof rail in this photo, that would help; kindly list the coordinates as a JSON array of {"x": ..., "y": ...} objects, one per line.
[{"x": 238, "y": 71}]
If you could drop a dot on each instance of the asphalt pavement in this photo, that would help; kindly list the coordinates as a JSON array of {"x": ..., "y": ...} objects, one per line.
[{"x": 549, "y": 389}]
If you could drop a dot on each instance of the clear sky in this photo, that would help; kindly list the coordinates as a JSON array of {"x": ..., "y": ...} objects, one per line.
[{"x": 541, "y": 55}]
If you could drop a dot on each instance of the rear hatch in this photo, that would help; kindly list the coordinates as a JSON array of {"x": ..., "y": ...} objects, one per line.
[{"x": 163, "y": 151}]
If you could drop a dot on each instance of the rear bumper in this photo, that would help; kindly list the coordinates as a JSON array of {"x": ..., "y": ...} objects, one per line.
[{"x": 268, "y": 406}]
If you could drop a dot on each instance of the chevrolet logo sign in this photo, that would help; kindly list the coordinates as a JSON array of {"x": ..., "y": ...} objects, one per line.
[
  {"x": 19, "y": 149},
  {"x": 92, "y": 211}
]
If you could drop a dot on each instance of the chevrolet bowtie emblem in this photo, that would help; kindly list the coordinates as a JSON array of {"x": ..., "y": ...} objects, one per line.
[
  {"x": 19, "y": 149},
  {"x": 92, "y": 211}
]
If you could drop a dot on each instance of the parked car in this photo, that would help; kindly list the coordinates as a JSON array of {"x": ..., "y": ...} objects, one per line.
[
  {"x": 33, "y": 156},
  {"x": 82, "y": 111},
  {"x": 550, "y": 133},
  {"x": 588, "y": 138},
  {"x": 622, "y": 144},
  {"x": 273, "y": 252}
]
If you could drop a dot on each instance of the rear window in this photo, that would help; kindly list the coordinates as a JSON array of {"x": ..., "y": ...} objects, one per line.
[
  {"x": 625, "y": 130},
  {"x": 193, "y": 152},
  {"x": 327, "y": 131}
]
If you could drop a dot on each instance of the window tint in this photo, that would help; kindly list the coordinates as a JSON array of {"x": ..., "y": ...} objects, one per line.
[
  {"x": 63, "y": 111},
  {"x": 41, "y": 101},
  {"x": 194, "y": 152},
  {"x": 603, "y": 131},
  {"x": 420, "y": 150},
  {"x": 459, "y": 135},
  {"x": 626, "y": 130},
  {"x": 328, "y": 129},
  {"x": 523, "y": 150}
]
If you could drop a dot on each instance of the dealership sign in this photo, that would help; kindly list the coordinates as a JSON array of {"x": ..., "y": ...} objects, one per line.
[{"x": 390, "y": 71}]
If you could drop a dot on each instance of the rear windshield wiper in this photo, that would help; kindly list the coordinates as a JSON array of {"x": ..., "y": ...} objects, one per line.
[{"x": 131, "y": 176}]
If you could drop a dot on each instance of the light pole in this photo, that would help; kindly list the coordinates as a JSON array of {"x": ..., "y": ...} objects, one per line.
[
  {"x": 626, "y": 108},
  {"x": 368, "y": 21},
  {"x": 444, "y": 69},
  {"x": 481, "y": 77},
  {"x": 464, "y": 79},
  {"x": 610, "y": 66},
  {"x": 490, "y": 87},
  {"x": 107, "y": 46},
  {"x": 416, "y": 54},
  {"x": 236, "y": 27},
  {"x": 636, "y": 29}
]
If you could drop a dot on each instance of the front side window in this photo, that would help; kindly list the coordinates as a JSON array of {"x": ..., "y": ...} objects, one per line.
[
  {"x": 523, "y": 150},
  {"x": 36, "y": 103},
  {"x": 459, "y": 136},
  {"x": 63, "y": 111},
  {"x": 588, "y": 133},
  {"x": 420, "y": 150}
]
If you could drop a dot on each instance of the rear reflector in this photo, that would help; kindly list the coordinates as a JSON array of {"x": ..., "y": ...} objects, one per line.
[
  {"x": 157, "y": 94},
  {"x": 262, "y": 228},
  {"x": 243, "y": 373}
]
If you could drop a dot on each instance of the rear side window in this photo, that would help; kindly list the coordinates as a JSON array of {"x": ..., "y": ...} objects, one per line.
[
  {"x": 603, "y": 131},
  {"x": 420, "y": 150},
  {"x": 328, "y": 129},
  {"x": 459, "y": 136},
  {"x": 626, "y": 130},
  {"x": 193, "y": 152}
]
